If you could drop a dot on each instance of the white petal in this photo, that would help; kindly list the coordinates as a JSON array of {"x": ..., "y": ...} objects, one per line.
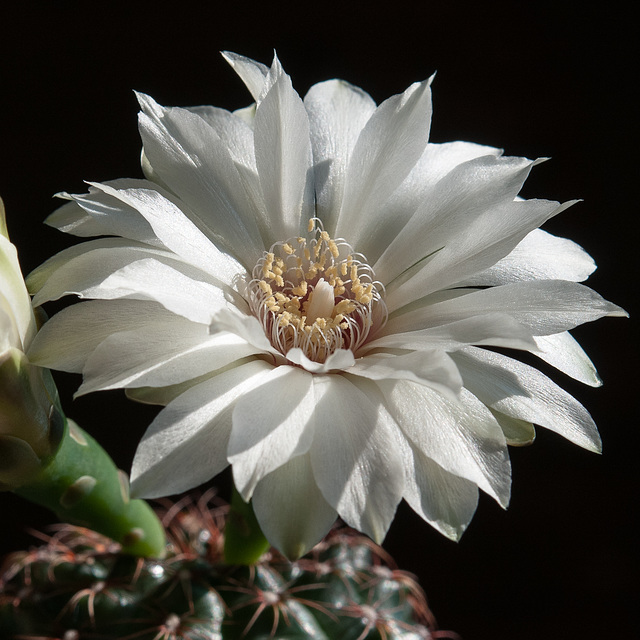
[
  {"x": 291, "y": 511},
  {"x": 355, "y": 455},
  {"x": 539, "y": 256},
  {"x": 89, "y": 263},
  {"x": 337, "y": 112},
  {"x": 13, "y": 292},
  {"x": 462, "y": 437},
  {"x": 522, "y": 392},
  {"x": 491, "y": 329},
  {"x": 340, "y": 359},
  {"x": 480, "y": 245},
  {"x": 177, "y": 232},
  {"x": 192, "y": 160},
  {"x": 149, "y": 279},
  {"x": 477, "y": 193},
  {"x": 444, "y": 500},
  {"x": 157, "y": 356},
  {"x": 108, "y": 216},
  {"x": 186, "y": 444},
  {"x": 244, "y": 325},
  {"x": 233, "y": 132},
  {"x": 164, "y": 395},
  {"x": 563, "y": 352},
  {"x": 272, "y": 423},
  {"x": 388, "y": 147},
  {"x": 284, "y": 161},
  {"x": 433, "y": 368},
  {"x": 434, "y": 164},
  {"x": 65, "y": 341},
  {"x": 72, "y": 218},
  {"x": 544, "y": 307},
  {"x": 252, "y": 73}
]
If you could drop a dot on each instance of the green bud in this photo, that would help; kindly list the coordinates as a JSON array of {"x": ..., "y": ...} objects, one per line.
[{"x": 31, "y": 422}]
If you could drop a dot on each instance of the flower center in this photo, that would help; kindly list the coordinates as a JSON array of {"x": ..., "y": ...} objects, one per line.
[{"x": 317, "y": 294}]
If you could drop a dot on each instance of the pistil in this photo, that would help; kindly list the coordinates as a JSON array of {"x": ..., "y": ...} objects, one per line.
[{"x": 321, "y": 302}]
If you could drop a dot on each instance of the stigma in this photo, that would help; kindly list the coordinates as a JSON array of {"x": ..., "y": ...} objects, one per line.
[{"x": 317, "y": 294}]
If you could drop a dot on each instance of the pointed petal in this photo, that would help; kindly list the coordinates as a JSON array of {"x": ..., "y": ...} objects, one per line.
[
  {"x": 148, "y": 279},
  {"x": 65, "y": 341},
  {"x": 338, "y": 111},
  {"x": 252, "y": 73},
  {"x": 522, "y": 392},
  {"x": 291, "y": 511},
  {"x": 355, "y": 455},
  {"x": 164, "y": 395},
  {"x": 492, "y": 329},
  {"x": 478, "y": 193},
  {"x": 446, "y": 501},
  {"x": 283, "y": 158},
  {"x": 462, "y": 437},
  {"x": 563, "y": 352},
  {"x": 388, "y": 147},
  {"x": 434, "y": 164},
  {"x": 539, "y": 256},
  {"x": 233, "y": 131},
  {"x": 244, "y": 325},
  {"x": 186, "y": 444},
  {"x": 191, "y": 159},
  {"x": 73, "y": 219},
  {"x": 272, "y": 423},
  {"x": 544, "y": 307},
  {"x": 107, "y": 216},
  {"x": 158, "y": 355},
  {"x": 88, "y": 264},
  {"x": 176, "y": 232},
  {"x": 479, "y": 245}
]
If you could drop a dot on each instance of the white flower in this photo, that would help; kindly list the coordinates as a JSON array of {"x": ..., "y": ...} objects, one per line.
[
  {"x": 309, "y": 288},
  {"x": 31, "y": 427}
]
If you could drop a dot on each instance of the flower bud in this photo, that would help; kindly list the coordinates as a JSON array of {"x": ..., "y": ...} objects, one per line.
[{"x": 31, "y": 422}]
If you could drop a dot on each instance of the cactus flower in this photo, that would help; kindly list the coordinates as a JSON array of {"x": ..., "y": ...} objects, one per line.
[
  {"x": 31, "y": 424},
  {"x": 309, "y": 286}
]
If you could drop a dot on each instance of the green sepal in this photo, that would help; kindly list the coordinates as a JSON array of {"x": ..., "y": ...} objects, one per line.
[{"x": 244, "y": 542}]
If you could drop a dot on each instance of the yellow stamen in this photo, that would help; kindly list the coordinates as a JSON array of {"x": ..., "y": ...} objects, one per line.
[{"x": 305, "y": 296}]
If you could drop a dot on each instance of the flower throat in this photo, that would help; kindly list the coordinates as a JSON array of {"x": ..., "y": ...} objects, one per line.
[{"x": 317, "y": 294}]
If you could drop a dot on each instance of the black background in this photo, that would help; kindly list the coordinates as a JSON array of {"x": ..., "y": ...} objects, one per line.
[{"x": 555, "y": 80}]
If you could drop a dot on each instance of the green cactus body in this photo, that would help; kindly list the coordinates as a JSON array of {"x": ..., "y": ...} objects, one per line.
[{"x": 78, "y": 586}]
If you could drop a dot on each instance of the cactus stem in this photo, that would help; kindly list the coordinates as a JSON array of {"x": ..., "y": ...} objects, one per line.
[{"x": 100, "y": 500}]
